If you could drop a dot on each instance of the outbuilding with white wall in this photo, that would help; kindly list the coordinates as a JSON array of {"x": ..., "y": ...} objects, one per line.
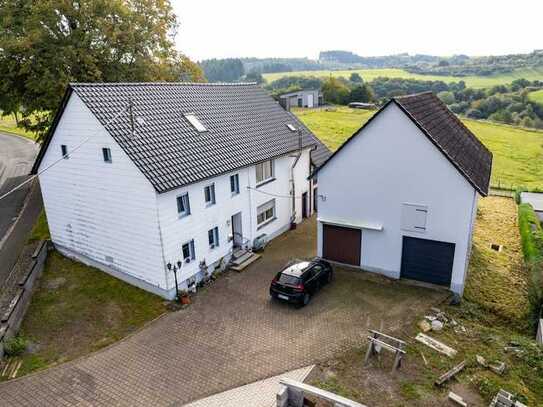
[{"x": 399, "y": 197}]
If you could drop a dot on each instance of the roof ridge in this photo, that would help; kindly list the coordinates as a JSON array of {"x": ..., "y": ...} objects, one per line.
[
  {"x": 426, "y": 92},
  {"x": 100, "y": 84}
]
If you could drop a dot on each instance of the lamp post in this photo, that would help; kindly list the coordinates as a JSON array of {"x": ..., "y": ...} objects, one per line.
[{"x": 169, "y": 265}]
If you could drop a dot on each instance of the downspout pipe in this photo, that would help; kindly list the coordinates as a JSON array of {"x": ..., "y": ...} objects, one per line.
[{"x": 292, "y": 184}]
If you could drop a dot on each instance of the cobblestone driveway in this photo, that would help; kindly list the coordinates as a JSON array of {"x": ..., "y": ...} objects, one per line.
[{"x": 230, "y": 336}]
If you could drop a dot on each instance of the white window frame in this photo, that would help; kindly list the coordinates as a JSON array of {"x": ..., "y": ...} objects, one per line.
[
  {"x": 211, "y": 188},
  {"x": 214, "y": 235},
  {"x": 234, "y": 181},
  {"x": 106, "y": 153},
  {"x": 262, "y": 167},
  {"x": 192, "y": 251},
  {"x": 186, "y": 211},
  {"x": 264, "y": 210}
]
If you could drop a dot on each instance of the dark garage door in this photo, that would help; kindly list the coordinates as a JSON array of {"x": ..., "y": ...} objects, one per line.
[
  {"x": 341, "y": 244},
  {"x": 427, "y": 260}
]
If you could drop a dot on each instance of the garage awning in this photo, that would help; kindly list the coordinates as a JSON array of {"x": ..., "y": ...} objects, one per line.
[{"x": 351, "y": 224}]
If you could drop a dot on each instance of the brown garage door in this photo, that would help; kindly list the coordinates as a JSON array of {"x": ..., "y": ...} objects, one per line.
[{"x": 341, "y": 244}]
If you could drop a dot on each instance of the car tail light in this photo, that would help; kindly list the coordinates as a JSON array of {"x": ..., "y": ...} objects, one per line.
[
  {"x": 299, "y": 287},
  {"x": 274, "y": 281}
]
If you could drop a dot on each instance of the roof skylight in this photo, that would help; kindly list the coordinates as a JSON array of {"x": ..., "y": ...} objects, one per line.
[
  {"x": 196, "y": 123},
  {"x": 291, "y": 127}
]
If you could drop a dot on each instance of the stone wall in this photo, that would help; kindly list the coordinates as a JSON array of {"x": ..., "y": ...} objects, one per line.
[{"x": 13, "y": 314}]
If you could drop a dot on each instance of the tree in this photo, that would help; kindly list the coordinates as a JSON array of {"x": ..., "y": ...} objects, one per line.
[
  {"x": 48, "y": 44},
  {"x": 254, "y": 76},
  {"x": 223, "y": 70},
  {"x": 355, "y": 78},
  {"x": 362, "y": 93},
  {"x": 447, "y": 97},
  {"x": 335, "y": 91}
]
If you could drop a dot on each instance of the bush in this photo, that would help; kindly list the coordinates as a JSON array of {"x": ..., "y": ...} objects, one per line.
[
  {"x": 531, "y": 235},
  {"x": 15, "y": 346}
]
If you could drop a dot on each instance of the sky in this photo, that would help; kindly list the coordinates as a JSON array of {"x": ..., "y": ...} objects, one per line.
[{"x": 302, "y": 28}]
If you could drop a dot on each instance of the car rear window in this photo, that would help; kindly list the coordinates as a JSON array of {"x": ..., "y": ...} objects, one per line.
[{"x": 288, "y": 279}]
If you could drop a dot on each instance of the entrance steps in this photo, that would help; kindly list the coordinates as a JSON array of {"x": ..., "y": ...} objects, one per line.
[{"x": 242, "y": 258}]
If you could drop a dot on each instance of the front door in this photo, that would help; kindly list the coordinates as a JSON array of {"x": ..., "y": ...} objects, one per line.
[
  {"x": 310, "y": 100},
  {"x": 237, "y": 231}
]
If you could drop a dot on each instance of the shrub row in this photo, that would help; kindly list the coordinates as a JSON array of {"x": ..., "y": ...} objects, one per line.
[{"x": 531, "y": 234}]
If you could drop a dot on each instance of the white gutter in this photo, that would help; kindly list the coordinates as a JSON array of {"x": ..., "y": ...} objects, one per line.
[{"x": 350, "y": 224}]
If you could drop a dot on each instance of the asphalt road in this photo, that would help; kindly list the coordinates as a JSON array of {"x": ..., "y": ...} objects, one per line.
[{"x": 16, "y": 158}]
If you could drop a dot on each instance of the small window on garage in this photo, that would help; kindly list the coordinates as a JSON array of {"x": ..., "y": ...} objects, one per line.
[
  {"x": 414, "y": 217},
  {"x": 106, "y": 152}
]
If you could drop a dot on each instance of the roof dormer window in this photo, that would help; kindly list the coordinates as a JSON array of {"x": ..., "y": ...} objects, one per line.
[{"x": 196, "y": 123}]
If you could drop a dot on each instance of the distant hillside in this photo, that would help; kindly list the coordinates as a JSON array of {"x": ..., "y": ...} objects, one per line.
[
  {"x": 389, "y": 61},
  {"x": 456, "y": 66}
]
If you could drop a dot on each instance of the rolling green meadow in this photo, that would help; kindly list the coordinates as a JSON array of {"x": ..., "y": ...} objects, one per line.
[
  {"x": 478, "y": 82},
  {"x": 536, "y": 96},
  {"x": 518, "y": 153}
]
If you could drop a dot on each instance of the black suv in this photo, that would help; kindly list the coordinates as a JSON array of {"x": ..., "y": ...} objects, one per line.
[{"x": 297, "y": 282}]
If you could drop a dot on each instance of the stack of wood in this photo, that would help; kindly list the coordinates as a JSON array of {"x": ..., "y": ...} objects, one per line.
[{"x": 505, "y": 399}]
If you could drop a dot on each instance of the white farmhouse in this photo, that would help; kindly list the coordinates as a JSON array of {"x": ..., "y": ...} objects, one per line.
[
  {"x": 136, "y": 176},
  {"x": 400, "y": 196}
]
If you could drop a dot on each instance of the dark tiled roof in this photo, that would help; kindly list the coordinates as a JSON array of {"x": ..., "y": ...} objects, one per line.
[
  {"x": 451, "y": 136},
  {"x": 245, "y": 126}
]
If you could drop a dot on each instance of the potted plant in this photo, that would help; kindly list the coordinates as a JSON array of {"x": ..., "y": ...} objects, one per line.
[{"x": 184, "y": 297}]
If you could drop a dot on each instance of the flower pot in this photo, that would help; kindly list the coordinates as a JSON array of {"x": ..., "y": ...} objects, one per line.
[{"x": 185, "y": 299}]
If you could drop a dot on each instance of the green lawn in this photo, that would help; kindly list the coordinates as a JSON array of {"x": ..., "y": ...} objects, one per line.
[
  {"x": 77, "y": 309},
  {"x": 369, "y": 74},
  {"x": 536, "y": 96},
  {"x": 8, "y": 125},
  {"x": 518, "y": 153}
]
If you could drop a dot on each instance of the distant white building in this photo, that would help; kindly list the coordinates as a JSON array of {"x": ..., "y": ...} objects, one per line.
[
  {"x": 399, "y": 197},
  {"x": 160, "y": 173},
  {"x": 308, "y": 98}
]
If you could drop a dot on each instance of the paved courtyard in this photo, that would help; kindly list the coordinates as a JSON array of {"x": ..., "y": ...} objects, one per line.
[{"x": 230, "y": 336}]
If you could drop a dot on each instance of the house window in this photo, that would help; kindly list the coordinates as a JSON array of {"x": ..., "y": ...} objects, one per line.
[
  {"x": 414, "y": 217},
  {"x": 188, "y": 251},
  {"x": 183, "y": 205},
  {"x": 234, "y": 184},
  {"x": 196, "y": 123},
  {"x": 209, "y": 194},
  {"x": 265, "y": 213},
  {"x": 264, "y": 171},
  {"x": 213, "y": 237},
  {"x": 106, "y": 152},
  {"x": 300, "y": 102},
  {"x": 64, "y": 151}
]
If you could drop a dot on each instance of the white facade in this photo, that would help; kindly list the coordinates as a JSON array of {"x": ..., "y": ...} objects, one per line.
[
  {"x": 389, "y": 164},
  {"x": 109, "y": 215}
]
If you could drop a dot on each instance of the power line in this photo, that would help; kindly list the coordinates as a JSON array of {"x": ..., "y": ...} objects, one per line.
[
  {"x": 274, "y": 195},
  {"x": 61, "y": 158}
]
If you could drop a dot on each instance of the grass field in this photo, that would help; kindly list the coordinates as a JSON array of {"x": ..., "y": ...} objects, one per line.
[
  {"x": 491, "y": 317},
  {"x": 8, "y": 125},
  {"x": 369, "y": 74},
  {"x": 518, "y": 153},
  {"x": 536, "y": 96}
]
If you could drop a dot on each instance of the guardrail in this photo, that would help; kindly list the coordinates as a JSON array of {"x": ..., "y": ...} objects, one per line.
[
  {"x": 291, "y": 394},
  {"x": 13, "y": 315}
]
